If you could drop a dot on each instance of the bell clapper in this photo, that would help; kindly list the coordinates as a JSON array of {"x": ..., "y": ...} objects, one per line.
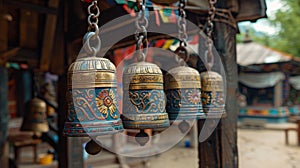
[
  {"x": 142, "y": 138},
  {"x": 93, "y": 148},
  {"x": 183, "y": 126}
]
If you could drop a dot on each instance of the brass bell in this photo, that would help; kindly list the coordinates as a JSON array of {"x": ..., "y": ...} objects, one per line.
[
  {"x": 183, "y": 90},
  {"x": 35, "y": 117},
  {"x": 92, "y": 99},
  {"x": 212, "y": 93},
  {"x": 144, "y": 99}
]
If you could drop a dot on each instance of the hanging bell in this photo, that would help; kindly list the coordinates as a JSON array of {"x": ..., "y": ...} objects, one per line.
[
  {"x": 92, "y": 99},
  {"x": 144, "y": 98},
  {"x": 35, "y": 117},
  {"x": 212, "y": 93},
  {"x": 183, "y": 90}
]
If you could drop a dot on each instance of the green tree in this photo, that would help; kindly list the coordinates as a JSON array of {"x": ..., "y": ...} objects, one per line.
[{"x": 287, "y": 20}]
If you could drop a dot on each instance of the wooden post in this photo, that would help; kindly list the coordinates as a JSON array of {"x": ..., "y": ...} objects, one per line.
[
  {"x": 298, "y": 131},
  {"x": 62, "y": 114},
  {"x": 278, "y": 94},
  {"x": 220, "y": 150},
  {"x": 49, "y": 34},
  {"x": 4, "y": 115},
  {"x": 24, "y": 90}
]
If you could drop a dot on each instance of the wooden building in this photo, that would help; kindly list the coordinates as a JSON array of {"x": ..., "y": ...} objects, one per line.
[{"x": 266, "y": 79}]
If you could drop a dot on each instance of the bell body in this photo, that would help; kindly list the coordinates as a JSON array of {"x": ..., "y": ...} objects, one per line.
[
  {"x": 183, "y": 90},
  {"x": 144, "y": 98},
  {"x": 92, "y": 99},
  {"x": 212, "y": 93},
  {"x": 35, "y": 117}
]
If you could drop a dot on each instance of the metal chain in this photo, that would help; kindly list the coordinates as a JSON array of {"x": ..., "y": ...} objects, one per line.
[
  {"x": 181, "y": 51},
  {"x": 91, "y": 40},
  {"x": 182, "y": 32},
  {"x": 94, "y": 13},
  {"x": 209, "y": 56},
  {"x": 141, "y": 25}
]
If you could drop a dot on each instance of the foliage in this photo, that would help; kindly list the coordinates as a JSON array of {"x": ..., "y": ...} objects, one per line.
[
  {"x": 288, "y": 20},
  {"x": 258, "y": 37}
]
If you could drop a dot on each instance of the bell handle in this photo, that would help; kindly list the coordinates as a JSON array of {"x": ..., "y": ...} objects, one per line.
[
  {"x": 181, "y": 50},
  {"x": 142, "y": 48},
  {"x": 92, "y": 43},
  {"x": 209, "y": 60}
]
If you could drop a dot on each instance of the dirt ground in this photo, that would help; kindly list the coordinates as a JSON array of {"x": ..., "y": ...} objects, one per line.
[
  {"x": 257, "y": 149},
  {"x": 265, "y": 148}
]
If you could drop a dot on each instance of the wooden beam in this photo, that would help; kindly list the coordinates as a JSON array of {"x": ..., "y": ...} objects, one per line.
[
  {"x": 3, "y": 33},
  {"x": 4, "y": 56},
  {"x": 48, "y": 40},
  {"x": 31, "y": 7},
  {"x": 57, "y": 65},
  {"x": 29, "y": 26}
]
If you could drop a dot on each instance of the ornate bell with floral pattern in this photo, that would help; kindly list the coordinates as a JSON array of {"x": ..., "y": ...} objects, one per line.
[
  {"x": 212, "y": 93},
  {"x": 183, "y": 90},
  {"x": 92, "y": 98},
  {"x": 144, "y": 99}
]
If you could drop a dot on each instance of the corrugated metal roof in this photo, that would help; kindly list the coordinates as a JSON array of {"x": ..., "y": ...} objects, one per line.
[{"x": 253, "y": 53}]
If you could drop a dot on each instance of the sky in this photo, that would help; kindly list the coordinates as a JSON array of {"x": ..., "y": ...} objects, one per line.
[{"x": 263, "y": 25}]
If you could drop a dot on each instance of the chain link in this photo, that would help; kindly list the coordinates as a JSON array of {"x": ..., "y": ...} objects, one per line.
[
  {"x": 181, "y": 52},
  {"x": 91, "y": 40},
  {"x": 209, "y": 56},
  {"x": 141, "y": 25},
  {"x": 182, "y": 31},
  {"x": 94, "y": 13}
]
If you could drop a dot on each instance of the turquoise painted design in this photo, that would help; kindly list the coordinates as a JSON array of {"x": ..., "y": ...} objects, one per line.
[
  {"x": 294, "y": 110},
  {"x": 147, "y": 103},
  {"x": 213, "y": 102},
  {"x": 184, "y": 104},
  {"x": 92, "y": 112}
]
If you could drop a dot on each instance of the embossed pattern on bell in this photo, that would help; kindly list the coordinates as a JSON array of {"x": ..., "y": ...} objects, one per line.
[
  {"x": 144, "y": 98},
  {"x": 212, "y": 92},
  {"x": 92, "y": 72},
  {"x": 92, "y": 99},
  {"x": 183, "y": 90}
]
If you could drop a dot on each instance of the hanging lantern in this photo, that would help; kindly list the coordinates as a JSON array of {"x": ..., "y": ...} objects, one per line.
[
  {"x": 35, "y": 117},
  {"x": 92, "y": 98},
  {"x": 212, "y": 93}
]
